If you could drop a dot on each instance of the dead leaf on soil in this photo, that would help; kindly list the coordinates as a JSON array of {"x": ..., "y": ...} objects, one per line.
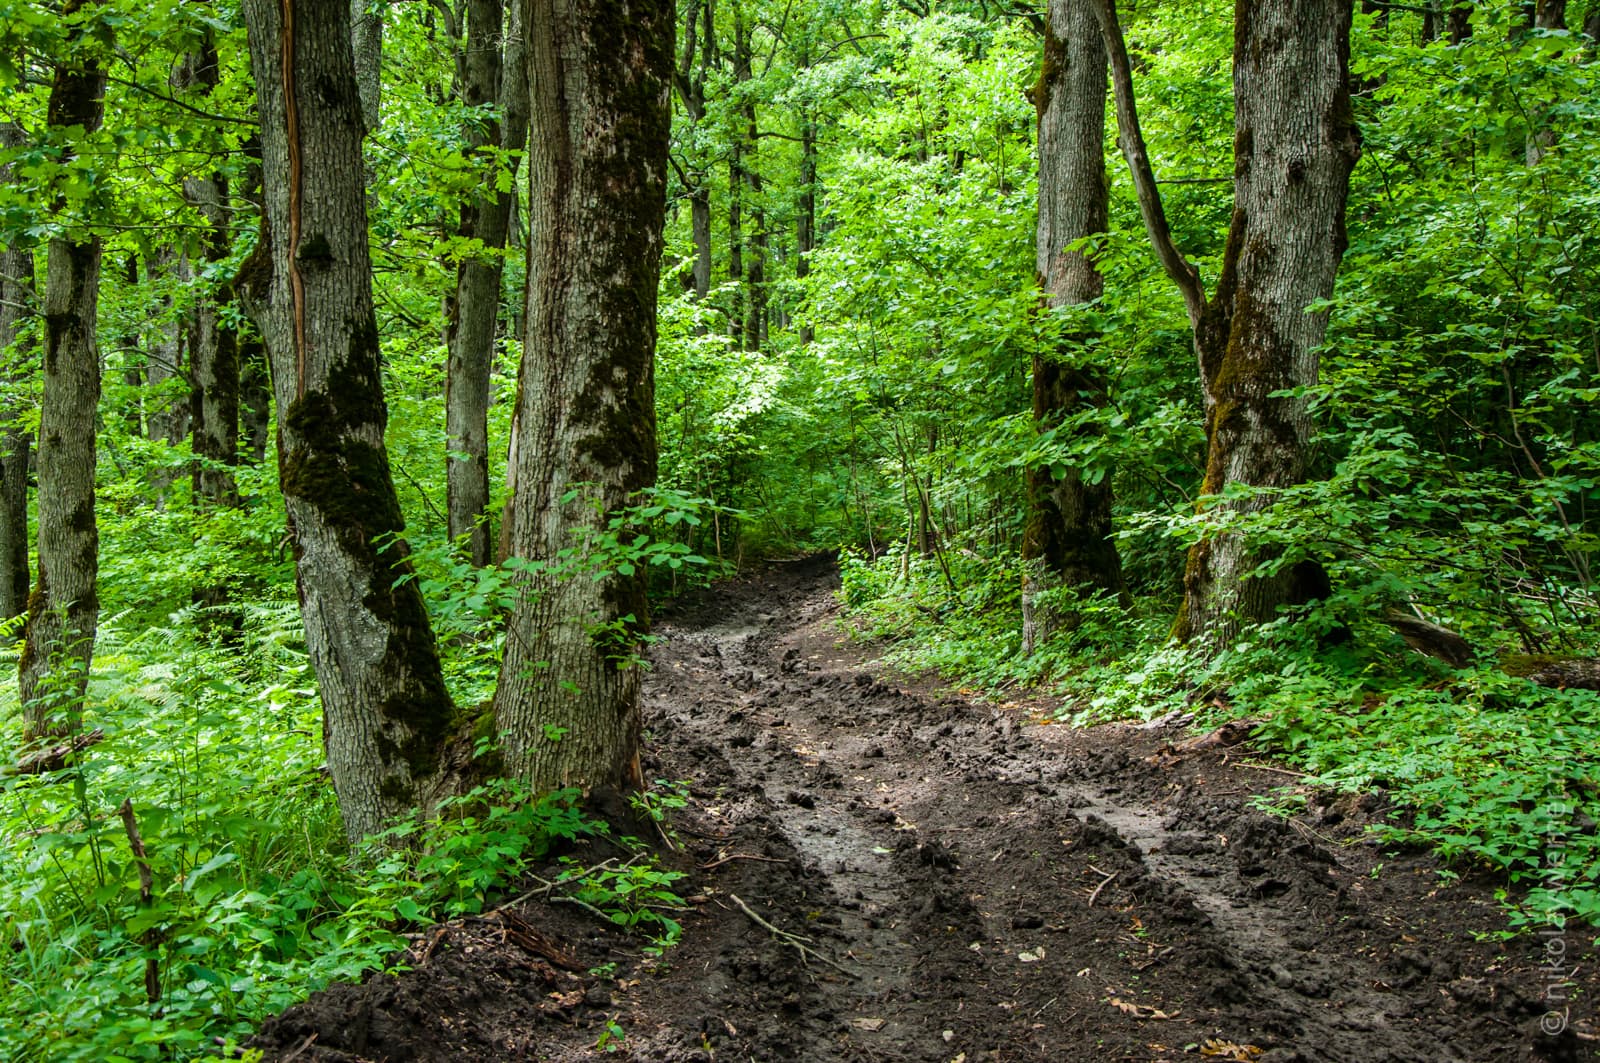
[
  {"x": 870, "y": 1025},
  {"x": 1138, "y": 1011},
  {"x": 1031, "y": 957},
  {"x": 1213, "y": 1048}
]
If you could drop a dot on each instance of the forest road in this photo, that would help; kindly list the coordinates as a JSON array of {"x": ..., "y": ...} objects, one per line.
[{"x": 881, "y": 871}]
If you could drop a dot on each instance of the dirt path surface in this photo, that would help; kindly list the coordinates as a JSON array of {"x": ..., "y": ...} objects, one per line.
[{"x": 959, "y": 885}]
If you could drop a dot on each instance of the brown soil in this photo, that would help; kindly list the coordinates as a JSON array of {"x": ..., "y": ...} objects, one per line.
[{"x": 970, "y": 885}]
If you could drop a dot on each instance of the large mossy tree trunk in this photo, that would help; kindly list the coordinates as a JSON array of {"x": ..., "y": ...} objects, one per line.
[
  {"x": 18, "y": 351},
  {"x": 568, "y": 695},
  {"x": 386, "y": 714},
  {"x": 474, "y": 308},
  {"x": 64, "y": 608},
  {"x": 1067, "y": 541},
  {"x": 1295, "y": 144}
]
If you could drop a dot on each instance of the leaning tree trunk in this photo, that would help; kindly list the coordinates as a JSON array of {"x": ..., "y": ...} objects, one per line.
[
  {"x": 64, "y": 608},
  {"x": 568, "y": 694},
  {"x": 1067, "y": 541},
  {"x": 18, "y": 349},
  {"x": 386, "y": 714},
  {"x": 475, "y": 307},
  {"x": 1295, "y": 144}
]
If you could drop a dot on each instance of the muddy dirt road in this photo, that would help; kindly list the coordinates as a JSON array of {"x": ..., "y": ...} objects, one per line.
[{"x": 952, "y": 883}]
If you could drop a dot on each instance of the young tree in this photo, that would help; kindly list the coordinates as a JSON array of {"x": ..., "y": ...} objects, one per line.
[
  {"x": 1295, "y": 143},
  {"x": 387, "y": 715},
  {"x": 475, "y": 307},
  {"x": 17, "y": 309},
  {"x": 213, "y": 344},
  {"x": 64, "y": 608},
  {"x": 585, "y": 428},
  {"x": 1067, "y": 541}
]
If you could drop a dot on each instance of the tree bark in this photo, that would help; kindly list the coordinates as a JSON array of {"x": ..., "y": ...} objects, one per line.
[
  {"x": 213, "y": 345},
  {"x": 64, "y": 608},
  {"x": 366, "y": 43},
  {"x": 1067, "y": 540},
  {"x": 386, "y": 713},
  {"x": 569, "y": 691},
  {"x": 1295, "y": 143},
  {"x": 18, "y": 348},
  {"x": 475, "y": 308},
  {"x": 755, "y": 263}
]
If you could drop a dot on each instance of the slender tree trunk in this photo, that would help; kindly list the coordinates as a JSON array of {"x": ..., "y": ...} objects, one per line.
[
  {"x": 568, "y": 694},
  {"x": 1067, "y": 541},
  {"x": 755, "y": 276},
  {"x": 213, "y": 344},
  {"x": 386, "y": 714},
  {"x": 736, "y": 333},
  {"x": 805, "y": 224},
  {"x": 366, "y": 42},
  {"x": 18, "y": 351},
  {"x": 1458, "y": 23},
  {"x": 166, "y": 406},
  {"x": 64, "y": 608},
  {"x": 1295, "y": 145},
  {"x": 475, "y": 308}
]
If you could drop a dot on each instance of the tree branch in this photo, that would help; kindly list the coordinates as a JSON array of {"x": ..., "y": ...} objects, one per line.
[{"x": 1131, "y": 140}]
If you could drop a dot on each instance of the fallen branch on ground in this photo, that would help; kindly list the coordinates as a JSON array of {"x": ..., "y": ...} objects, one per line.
[
  {"x": 54, "y": 758},
  {"x": 794, "y": 941}
]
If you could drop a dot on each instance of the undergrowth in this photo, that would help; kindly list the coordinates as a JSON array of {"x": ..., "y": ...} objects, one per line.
[
  {"x": 1487, "y": 769},
  {"x": 256, "y": 899}
]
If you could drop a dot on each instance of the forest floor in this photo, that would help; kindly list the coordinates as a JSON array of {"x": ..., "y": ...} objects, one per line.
[{"x": 969, "y": 883}]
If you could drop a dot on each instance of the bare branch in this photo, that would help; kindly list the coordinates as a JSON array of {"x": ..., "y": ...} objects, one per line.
[{"x": 1131, "y": 140}]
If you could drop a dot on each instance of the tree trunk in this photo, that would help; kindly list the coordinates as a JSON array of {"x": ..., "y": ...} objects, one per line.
[
  {"x": 18, "y": 348},
  {"x": 755, "y": 277},
  {"x": 64, "y": 608},
  {"x": 569, "y": 689},
  {"x": 386, "y": 714},
  {"x": 213, "y": 344},
  {"x": 1067, "y": 541},
  {"x": 1295, "y": 143},
  {"x": 736, "y": 245},
  {"x": 475, "y": 308},
  {"x": 805, "y": 223},
  {"x": 166, "y": 410},
  {"x": 366, "y": 43}
]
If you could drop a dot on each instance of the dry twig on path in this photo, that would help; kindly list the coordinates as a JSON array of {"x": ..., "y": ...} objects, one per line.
[{"x": 794, "y": 941}]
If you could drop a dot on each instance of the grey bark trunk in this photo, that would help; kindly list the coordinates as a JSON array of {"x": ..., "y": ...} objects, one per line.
[
  {"x": 386, "y": 714},
  {"x": 64, "y": 608},
  {"x": 475, "y": 307},
  {"x": 213, "y": 345},
  {"x": 366, "y": 43},
  {"x": 1067, "y": 541},
  {"x": 1295, "y": 144},
  {"x": 18, "y": 351},
  {"x": 805, "y": 225},
  {"x": 568, "y": 694}
]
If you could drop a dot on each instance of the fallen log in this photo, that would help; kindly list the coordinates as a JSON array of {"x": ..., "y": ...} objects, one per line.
[
  {"x": 1563, "y": 672},
  {"x": 54, "y": 758}
]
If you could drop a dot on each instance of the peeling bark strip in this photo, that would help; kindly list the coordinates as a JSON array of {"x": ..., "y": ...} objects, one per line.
[
  {"x": 475, "y": 308},
  {"x": 64, "y": 609},
  {"x": 598, "y": 77},
  {"x": 1295, "y": 143},
  {"x": 1067, "y": 540},
  {"x": 386, "y": 714}
]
